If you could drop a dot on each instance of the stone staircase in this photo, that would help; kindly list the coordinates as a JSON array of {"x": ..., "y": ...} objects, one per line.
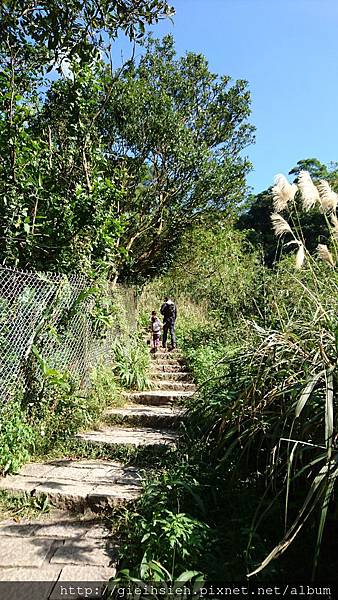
[
  {"x": 66, "y": 549},
  {"x": 149, "y": 417}
]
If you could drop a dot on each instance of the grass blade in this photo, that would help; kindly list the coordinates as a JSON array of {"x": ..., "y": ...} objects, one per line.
[
  {"x": 306, "y": 393},
  {"x": 329, "y": 413},
  {"x": 310, "y": 503}
]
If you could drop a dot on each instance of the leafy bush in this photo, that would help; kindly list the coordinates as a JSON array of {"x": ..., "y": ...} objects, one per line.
[
  {"x": 206, "y": 362},
  {"x": 60, "y": 409},
  {"x": 158, "y": 531},
  {"x": 105, "y": 388},
  {"x": 274, "y": 407},
  {"x": 17, "y": 438},
  {"x": 131, "y": 363}
]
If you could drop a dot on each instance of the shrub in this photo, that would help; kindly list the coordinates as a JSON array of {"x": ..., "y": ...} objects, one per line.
[
  {"x": 17, "y": 437},
  {"x": 158, "y": 529},
  {"x": 131, "y": 363}
]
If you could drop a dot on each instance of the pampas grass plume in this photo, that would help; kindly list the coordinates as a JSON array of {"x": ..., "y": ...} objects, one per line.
[
  {"x": 280, "y": 226},
  {"x": 334, "y": 222},
  {"x": 282, "y": 193},
  {"x": 328, "y": 197},
  {"x": 309, "y": 192},
  {"x": 325, "y": 254},
  {"x": 300, "y": 257}
]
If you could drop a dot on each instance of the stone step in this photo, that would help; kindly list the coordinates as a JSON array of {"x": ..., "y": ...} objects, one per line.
[
  {"x": 165, "y": 384},
  {"x": 173, "y": 376},
  {"x": 77, "y": 484},
  {"x": 52, "y": 548},
  {"x": 144, "y": 415},
  {"x": 171, "y": 353},
  {"x": 166, "y": 359},
  {"x": 159, "y": 397},
  {"x": 166, "y": 368},
  {"x": 130, "y": 436}
]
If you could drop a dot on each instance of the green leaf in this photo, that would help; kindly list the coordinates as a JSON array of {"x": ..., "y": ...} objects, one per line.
[
  {"x": 329, "y": 412},
  {"x": 305, "y": 395},
  {"x": 187, "y": 576}
]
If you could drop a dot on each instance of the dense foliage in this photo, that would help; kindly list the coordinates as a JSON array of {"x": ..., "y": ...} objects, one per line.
[
  {"x": 102, "y": 170},
  {"x": 262, "y": 345}
]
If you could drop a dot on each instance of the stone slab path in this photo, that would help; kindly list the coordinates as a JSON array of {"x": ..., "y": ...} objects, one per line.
[
  {"x": 71, "y": 483},
  {"x": 63, "y": 548},
  {"x": 147, "y": 415},
  {"x": 56, "y": 548},
  {"x": 136, "y": 436},
  {"x": 159, "y": 397},
  {"x": 146, "y": 410}
]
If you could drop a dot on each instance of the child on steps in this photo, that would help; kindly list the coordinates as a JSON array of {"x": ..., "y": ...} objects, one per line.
[{"x": 155, "y": 325}]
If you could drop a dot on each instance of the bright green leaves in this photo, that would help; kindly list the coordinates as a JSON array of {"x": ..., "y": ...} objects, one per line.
[
  {"x": 106, "y": 171},
  {"x": 165, "y": 122},
  {"x": 57, "y": 29}
]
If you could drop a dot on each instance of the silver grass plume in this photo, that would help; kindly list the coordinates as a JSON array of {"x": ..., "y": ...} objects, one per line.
[
  {"x": 280, "y": 226},
  {"x": 334, "y": 222},
  {"x": 325, "y": 254},
  {"x": 282, "y": 193},
  {"x": 300, "y": 255},
  {"x": 328, "y": 198},
  {"x": 308, "y": 190}
]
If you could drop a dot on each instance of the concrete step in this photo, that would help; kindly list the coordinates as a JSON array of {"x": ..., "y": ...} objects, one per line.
[
  {"x": 173, "y": 376},
  {"x": 77, "y": 484},
  {"x": 165, "y": 384},
  {"x": 130, "y": 436},
  {"x": 144, "y": 415},
  {"x": 159, "y": 397}
]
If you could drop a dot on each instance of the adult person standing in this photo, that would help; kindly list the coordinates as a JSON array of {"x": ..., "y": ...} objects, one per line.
[{"x": 169, "y": 312}]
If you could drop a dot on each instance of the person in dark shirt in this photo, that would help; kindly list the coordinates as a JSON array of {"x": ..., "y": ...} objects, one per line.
[{"x": 169, "y": 312}]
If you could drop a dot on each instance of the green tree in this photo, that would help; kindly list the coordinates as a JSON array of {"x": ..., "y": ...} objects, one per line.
[
  {"x": 44, "y": 33},
  {"x": 45, "y": 222},
  {"x": 179, "y": 130},
  {"x": 217, "y": 266},
  {"x": 123, "y": 162},
  {"x": 316, "y": 169}
]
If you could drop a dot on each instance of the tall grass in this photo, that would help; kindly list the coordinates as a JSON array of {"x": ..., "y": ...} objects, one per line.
[{"x": 271, "y": 414}]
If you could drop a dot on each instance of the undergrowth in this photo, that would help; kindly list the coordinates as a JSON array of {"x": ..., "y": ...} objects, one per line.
[
  {"x": 262, "y": 428},
  {"x": 45, "y": 419},
  {"x": 20, "y": 505}
]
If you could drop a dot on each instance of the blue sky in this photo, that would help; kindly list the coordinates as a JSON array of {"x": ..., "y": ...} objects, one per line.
[{"x": 288, "y": 52}]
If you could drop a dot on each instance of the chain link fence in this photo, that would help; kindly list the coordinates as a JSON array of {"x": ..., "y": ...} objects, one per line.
[{"x": 52, "y": 315}]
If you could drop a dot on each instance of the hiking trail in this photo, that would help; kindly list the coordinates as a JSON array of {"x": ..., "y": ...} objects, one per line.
[{"x": 72, "y": 542}]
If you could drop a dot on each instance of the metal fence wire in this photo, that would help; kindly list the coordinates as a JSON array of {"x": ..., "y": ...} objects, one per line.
[{"x": 37, "y": 309}]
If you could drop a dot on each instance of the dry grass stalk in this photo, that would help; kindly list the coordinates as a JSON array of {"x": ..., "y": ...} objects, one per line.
[
  {"x": 309, "y": 192},
  {"x": 282, "y": 192},
  {"x": 328, "y": 197},
  {"x": 325, "y": 254},
  {"x": 280, "y": 226}
]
